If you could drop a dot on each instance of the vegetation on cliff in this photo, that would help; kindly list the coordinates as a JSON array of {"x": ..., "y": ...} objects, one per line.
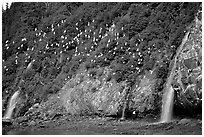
[{"x": 44, "y": 45}]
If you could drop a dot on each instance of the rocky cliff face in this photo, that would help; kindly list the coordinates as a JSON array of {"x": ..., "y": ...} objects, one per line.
[
  {"x": 84, "y": 94},
  {"x": 92, "y": 92},
  {"x": 100, "y": 58},
  {"x": 188, "y": 78}
]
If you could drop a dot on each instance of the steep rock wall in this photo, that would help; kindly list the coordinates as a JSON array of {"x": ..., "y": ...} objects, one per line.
[{"x": 188, "y": 78}]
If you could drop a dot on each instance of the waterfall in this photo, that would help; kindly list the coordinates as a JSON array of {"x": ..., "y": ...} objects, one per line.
[
  {"x": 168, "y": 97},
  {"x": 11, "y": 105},
  {"x": 167, "y": 109}
]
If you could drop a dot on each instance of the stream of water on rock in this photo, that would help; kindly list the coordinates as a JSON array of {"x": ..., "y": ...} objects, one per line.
[
  {"x": 168, "y": 97},
  {"x": 166, "y": 114},
  {"x": 11, "y": 105}
]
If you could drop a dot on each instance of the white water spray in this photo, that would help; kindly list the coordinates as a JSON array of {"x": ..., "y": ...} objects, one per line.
[
  {"x": 167, "y": 109},
  {"x": 11, "y": 105}
]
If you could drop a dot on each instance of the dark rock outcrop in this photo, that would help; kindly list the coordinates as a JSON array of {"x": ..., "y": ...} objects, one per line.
[{"x": 188, "y": 78}]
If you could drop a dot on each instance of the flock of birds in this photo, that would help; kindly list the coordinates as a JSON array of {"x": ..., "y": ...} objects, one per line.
[{"x": 85, "y": 42}]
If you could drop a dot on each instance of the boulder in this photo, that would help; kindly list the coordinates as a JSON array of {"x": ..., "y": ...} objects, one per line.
[{"x": 184, "y": 121}]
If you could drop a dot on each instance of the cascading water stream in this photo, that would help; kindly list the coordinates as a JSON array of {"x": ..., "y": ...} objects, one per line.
[
  {"x": 166, "y": 114},
  {"x": 168, "y": 97},
  {"x": 11, "y": 105}
]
